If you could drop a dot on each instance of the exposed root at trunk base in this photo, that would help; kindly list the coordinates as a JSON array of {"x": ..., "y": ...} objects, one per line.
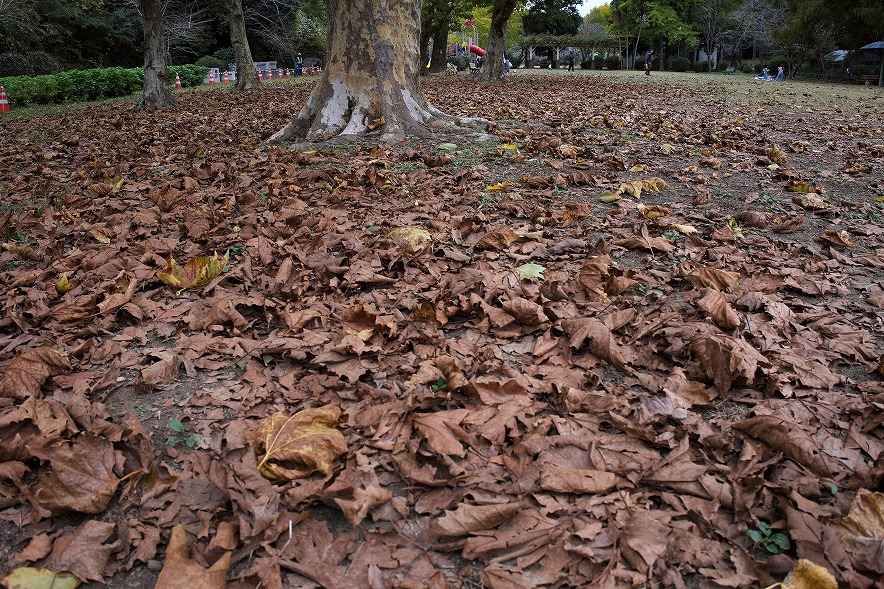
[{"x": 342, "y": 116}]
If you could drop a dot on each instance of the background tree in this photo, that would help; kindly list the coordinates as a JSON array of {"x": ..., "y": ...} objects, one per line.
[
  {"x": 370, "y": 81},
  {"x": 552, "y": 17},
  {"x": 501, "y": 12},
  {"x": 437, "y": 19},
  {"x": 157, "y": 93},
  {"x": 246, "y": 76},
  {"x": 283, "y": 28}
]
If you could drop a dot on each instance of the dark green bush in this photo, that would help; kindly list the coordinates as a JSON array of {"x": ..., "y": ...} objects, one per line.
[
  {"x": 42, "y": 63},
  {"x": 209, "y": 62},
  {"x": 681, "y": 64},
  {"x": 747, "y": 68},
  {"x": 226, "y": 55},
  {"x": 73, "y": 86},
  {"x": 612, "y": 63},
  {"x": 701, "y": 66},
  {"x": 14, "y": 64}
]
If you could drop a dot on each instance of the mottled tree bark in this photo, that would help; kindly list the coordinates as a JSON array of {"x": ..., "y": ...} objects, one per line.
[
  {"x": 157, "y": 93},
  {"x": 439, "y": 57},
  {"x": 371, "y": 79},
  {"x": 246, "y": 76}
]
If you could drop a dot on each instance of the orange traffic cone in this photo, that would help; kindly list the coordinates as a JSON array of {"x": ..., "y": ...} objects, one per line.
[
  {"x": 226, "y": 78},
  {"x": 260, "y": 75},
  {"x": 288, "y": 73},
  {"x": 211, "y": 78},
  {"x": 177, "y": 80},
  {"x": 4, "y": 104}
]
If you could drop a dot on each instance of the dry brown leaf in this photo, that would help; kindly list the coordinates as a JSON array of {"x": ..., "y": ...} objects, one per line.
[
  {"x": 788, "y": 438},
  {"x": 466, "y": 518},
  {"x": 862, "y": 531},
  {"x": 296, "y": 446},
  {"x": 728, "y": 360},
  {"x": 701, "y": 276},
  {"x": 788, "y": 224},
  {"x": 574, "y": 480},
  {"x": 839, "y": 238},
  {"x": 719, "y": 310},
  {"x": 27, "y": 372},
  {"x": 412, "y": 240},
  {"x": 181, "y": 572},
  {"x": 81, "y": 478}
]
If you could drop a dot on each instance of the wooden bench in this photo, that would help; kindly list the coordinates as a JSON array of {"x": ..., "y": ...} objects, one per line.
[{"x": 867, "y": 79}]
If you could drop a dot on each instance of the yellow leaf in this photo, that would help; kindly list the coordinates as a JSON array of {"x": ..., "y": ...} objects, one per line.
[
  {"x": 197, "y": 272},
  {"x": 64, "y": 284},
  {"x": 807, "y": 575},
  {"x": 638, "y": 168},
  {"x": 499, "y": 185},
  {"x": 293, "y": 447},
  {"x": 684, "y": 229},
  {"x": 667, "y": 148},
  {"x": 411, "y": 239},
  {"x": 653, "y": 185},
  {"x": 34, "y": 578},
  {"x": 376, "y": 124}
]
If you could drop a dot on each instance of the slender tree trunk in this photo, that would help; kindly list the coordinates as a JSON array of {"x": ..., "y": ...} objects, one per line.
[
  {"x": 439, "y": 57},
  {"x": 371, "y": 79},
  {"x": 157, "y": 94},
  {"x": 500, "y": 16},
  {"x": 246, "y": 76}
]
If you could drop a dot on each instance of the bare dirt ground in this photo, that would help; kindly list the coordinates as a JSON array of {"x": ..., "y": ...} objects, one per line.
[{"x": 633, "y": 338}]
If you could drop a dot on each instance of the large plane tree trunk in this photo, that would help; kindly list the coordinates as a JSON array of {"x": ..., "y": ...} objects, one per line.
[
  {"x": 246, "y": 76},
  {"x": 157, "y": 93},
  {"x": 371, "y": 79}
]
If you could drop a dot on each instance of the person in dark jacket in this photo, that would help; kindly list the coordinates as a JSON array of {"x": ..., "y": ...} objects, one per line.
[
  {"x": 299, "y": 65},
  {"x": 570, "y": 62},
  {"x": 649, "y": 60}
]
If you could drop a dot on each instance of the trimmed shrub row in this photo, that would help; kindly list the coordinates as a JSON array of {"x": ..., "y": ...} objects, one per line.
[{"x": 86, "y": 85}]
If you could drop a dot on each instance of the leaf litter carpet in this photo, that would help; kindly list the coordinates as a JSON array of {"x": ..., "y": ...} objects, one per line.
[{"x": 632, "y": 340}]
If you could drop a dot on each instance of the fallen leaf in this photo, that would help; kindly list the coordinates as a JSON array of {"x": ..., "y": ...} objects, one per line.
[
  {"x": 293, "y": 447},
  {"x": 36, "y": 578},
  {"x": 788, "y": 438},
  {"x": 862, "y": 531},
  {"x": 181, "y": 572},
  {"x": 196, "y": 273},
  {"x": 468, "y": 518},
  {"x": 26, "y": 373},
  {"x": 412, "y": 240},
  {"x": 807, "y": 575}
]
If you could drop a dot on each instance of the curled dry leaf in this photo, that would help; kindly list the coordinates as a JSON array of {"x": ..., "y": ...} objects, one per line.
[
  {"x": 776, "y": 155},
  {"x": 650, "y": 243},
  {"x": 756, "y": 219},
  {"x": 293, "y": 447},
  {"x": 684, "y": 229},
  {"x": 196, "y": 273},
  {"x": 788, "y": 224},
  {"x": 182, "y": 572},
  {"x": 719, "y": 310},
  {"x": 63, "y": 284},
  {"x": 653, "y": 211},
  {"x": 811, "y": 202},
  {"x": 27, "y": 372},
  {"x": 839, "y": 238}
]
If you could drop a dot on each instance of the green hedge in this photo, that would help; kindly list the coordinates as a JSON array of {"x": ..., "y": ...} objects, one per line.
[
  {"x": 681, "y": 64},
  {"x": 86, "y": 85}
]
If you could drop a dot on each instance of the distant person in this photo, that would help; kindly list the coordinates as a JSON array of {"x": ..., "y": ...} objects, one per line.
[
  {"x": 570, "y": 62},
  {"x": 781, "y": 74},
  {"x": 649, "y": 60},
  {"x": 849, "y": 77},
  {"x": 299, "y": 65}
]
